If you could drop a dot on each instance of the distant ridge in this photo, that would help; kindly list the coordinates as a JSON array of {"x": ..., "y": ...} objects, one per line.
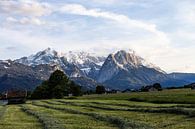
[{"x": 120, "y": 70}]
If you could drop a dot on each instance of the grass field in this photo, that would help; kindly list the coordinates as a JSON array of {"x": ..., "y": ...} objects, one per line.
[{"x": 169, "y": 109}]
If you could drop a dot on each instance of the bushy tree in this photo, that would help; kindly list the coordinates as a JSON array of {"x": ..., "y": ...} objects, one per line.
[
  {"x": 75, "y": 89},
  {"x": 58, "y": 83},
  {"x": 157, "y": 86},
  {"x": 100, "y": 89},
  {"x": 58, "y": 78},
  {"x": 57, "y": 86},
  {"x": 41, "y": 92},
  {"x": 58, "y": 92}
]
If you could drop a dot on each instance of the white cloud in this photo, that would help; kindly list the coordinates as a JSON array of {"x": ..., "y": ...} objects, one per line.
[
  {"x": 106, "y": 1},
  {"x": 24, "y": 12},
  {"x": 124, "y": 20},
  {"x": 98, "y": 13},
  {"x": 25, "y": 21},
  {"x": 24, "y": 7}
]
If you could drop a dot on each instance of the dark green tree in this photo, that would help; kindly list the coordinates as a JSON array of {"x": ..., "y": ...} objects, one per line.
[
  {"x": 58, "y": 82},
  {"x": 75, "y": 89},
  {"x": 58, "y": 92},
  {"x": 41, "y": 92},
  {"x": 58, "y": 78},
  {"x": 100, "y": 89},
  {"x": 157, "y": 86},
  {"x": 57, "y": 86}
]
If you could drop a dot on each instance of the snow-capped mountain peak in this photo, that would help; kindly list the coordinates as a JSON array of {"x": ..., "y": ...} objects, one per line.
[
  {"x": 124, "y": 61},
  {"x": 76, "y": 57},
  {"x": 46, "y": 56},
  {"x": 88, "y": 63},
  {"x": 79, "y": 63},
  {"x": 129, "y": 58},
  {"x": 83, "y": 58}
]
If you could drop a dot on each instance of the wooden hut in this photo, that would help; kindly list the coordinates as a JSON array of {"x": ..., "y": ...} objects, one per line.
[{"x": 16, "y": 96}]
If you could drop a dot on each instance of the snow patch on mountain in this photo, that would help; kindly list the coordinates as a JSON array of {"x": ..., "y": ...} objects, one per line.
[
  {"x": 6, "y": 67},
  {"x": 83, "y": 58},
  {"x": 86, "y": 70},
  {"x": 7, "y": 62}
]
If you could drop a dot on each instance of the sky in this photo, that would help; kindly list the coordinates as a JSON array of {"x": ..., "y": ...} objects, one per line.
[{"x": 161, "y": 31}]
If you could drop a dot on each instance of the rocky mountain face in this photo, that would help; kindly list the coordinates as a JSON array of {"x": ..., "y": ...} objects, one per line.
[
  {"x": 120, "y": 70},
  {"x": 81, "y": 67},
  {"x": 47, "y": 56},
  {"x": 16, "y": 75},
  {"x": 74, "y": 64},
  {"x": 88, "y": 63},
  {"x": 127, "y": 70},
  {"x": 129, "y": 62}
]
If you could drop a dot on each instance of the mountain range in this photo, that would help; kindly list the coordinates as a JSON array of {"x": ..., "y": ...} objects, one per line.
[{"x": 119, "y": 70}]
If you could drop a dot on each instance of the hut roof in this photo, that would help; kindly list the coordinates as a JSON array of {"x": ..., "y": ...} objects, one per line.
[{"x": 16, "y": 94}]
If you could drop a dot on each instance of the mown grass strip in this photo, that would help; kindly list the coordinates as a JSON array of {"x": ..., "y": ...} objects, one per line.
[
  {"x": 47, "y": 121},
  {"x": 177, "y": 111},
  {"x": 170, "y": 110},
  {"x": 121, "y": 123},
  {"x": 125, "y": 106},
  {"x": 142, "y": 106},
  {"x": 108, "y": 104},
  {"x": 2, "y": 111},
  {"x": 163, "y": 100},
  {"x": 74, "y": 121},
  {"x": 15, "y": 118}
]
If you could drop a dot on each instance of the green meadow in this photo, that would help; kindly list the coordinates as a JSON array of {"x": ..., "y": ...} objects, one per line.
[{"x": 168, "y": 109}]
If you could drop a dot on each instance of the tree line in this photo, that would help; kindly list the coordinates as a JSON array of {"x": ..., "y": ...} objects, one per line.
[{"x": 59, "y": 85}]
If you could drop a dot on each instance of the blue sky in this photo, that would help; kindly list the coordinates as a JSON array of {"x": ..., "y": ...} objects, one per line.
[{"x": 162, "y": 31}]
